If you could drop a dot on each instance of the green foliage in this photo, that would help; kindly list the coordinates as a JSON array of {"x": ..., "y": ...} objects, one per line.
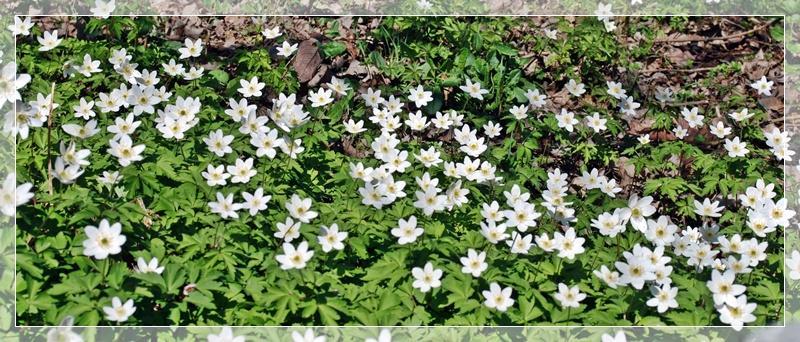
[{"x": 225, "y": 271}]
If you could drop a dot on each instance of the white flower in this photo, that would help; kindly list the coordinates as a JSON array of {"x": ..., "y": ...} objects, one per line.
[
  {"x": 568, "y": 245},
  {"x": 73, "y": 156},
  {"x": 566, "y": 120},
  {"x": 49, "y": 40},
  {"x": 610, "y": 25},
  {"x": 426, "y": 278},
  {"x": 492, "y": 129},
  {"x": 660, "y": 232},
  {"x": 123, "y": 127},
  {"x": 473, "y": 89},
  {"x": 124, "y": 150},
  {"x": 611, "y": 278},
  {"x": 723, "y": 288},
  {"x": 119, "y": 57},
  {"x": 603, "y": 11},
  {"x": 288, "y": 230},
  {"x": 307, "y": 337},
  {"x": 763, "y": 86},
  {"x": 20, "y": 26},
  {"x": 63, "y": 332},
  {"x": 117, "y": 311},
  {"x": 519, "y": 112},
  {"x": 720, "y": 130},
  {"x": 618, "y": 337},
  {"x": 266, "y": 143},
  {"x": 89, "y": 66},
  {"x": 82, "y": 131},
  {"x": 498, "y": 298},
  {"x": 225, "y": 335},
  {"x": 663, "y": 298},
  {"x": 407, "y": 230},
  {"x": 239, "y": 110},
  {"x": 741, "y": 115},
  {"x": 193, "y": 73},
  {"x": 291, "y": 148},
  {"x": 692, "y": 117},
  {"x": 442, "y": 121},
  {"x": 103, "y": 9},
  {"x": 420, "y": 96},
  {"x": 569, "y": 297},
  {"x": 736, "y": 148},
  {"x": 385, "y": 336},
  {"x": 66, "y": 173},
  {"x": 416, "y": 121},
  {"x": 793, "y": 265},
  {"x": 191, "y": 48},
  {"x": 242, "y": 171},
  {"x": 596, "y": 123},
  {"x": 535, "y": 99},
  {"x": 321, "y": 98},
  {"x": 173, "y": 69},
  {"x": 739, "y": 266},
  {"x": 474, "y": 263},
  {"x": 777, "y": 212},
  {"x": 294, "y": 257},
  {"x": 552, "y": 34},
  {"x": 609, "y": 187},
  {"x": 575, "y": 88},
  {"x": 219, "y": 143},
  {"x": 272, "y": 33},
  {"x": 628, "y": 106},
  {"x": 776, "y": 138},
  {"x": 331, "y": 238},
  {"x": 635, "y": 272},
  {"x": 707, "y": 208},
  {"x": 738, "y": 313},
  {"x": 680, "y": 132},
  {"x": 143, "y": 266},
  {"x": 251, "y": 88},
  {"x": 301, "y": 209},
  {"x": 256, "y": 201},
  {"x": 286, "y": 49},
  {"x": 109, "y": 177},
  {"x": 372, "y": 98},
  {"x": 637, "y": 210},
  {"x": 103, "y": 240},
  {"x": 224, "y": 206},
  {"x": 339, "y": 86},
  {"x": 615, "y": 90},
  {"x": 493, "y": 232},
  {"x": 664, "y": 94},
  {"x": 215, "y": 175},
  {"x": 253, "y": 124},
  {"x": 13, "y": 195},
  {"x": 424, "y": 5},
  {"x": 644, "y": 140},
  {"x": 430, "y": 201},
  {"x": 11, "y": 83},
  {"x": 520, "y": 244}
]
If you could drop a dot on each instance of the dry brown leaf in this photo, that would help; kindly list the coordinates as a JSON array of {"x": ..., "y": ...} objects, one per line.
[{"x": 307, "y": 60}]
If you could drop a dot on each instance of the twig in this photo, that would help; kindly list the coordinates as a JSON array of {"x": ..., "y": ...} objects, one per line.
[
  {"x": 49, "y": 130},
  {"x": 707, "y": 39},
  {"x": 677, "y": 70}
]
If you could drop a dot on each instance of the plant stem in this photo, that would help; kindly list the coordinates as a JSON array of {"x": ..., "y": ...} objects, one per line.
[
  {"x": 106, "y": 264},
  {"x": 558, "y": 265},
  {"x": 49, "y": 135}
]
